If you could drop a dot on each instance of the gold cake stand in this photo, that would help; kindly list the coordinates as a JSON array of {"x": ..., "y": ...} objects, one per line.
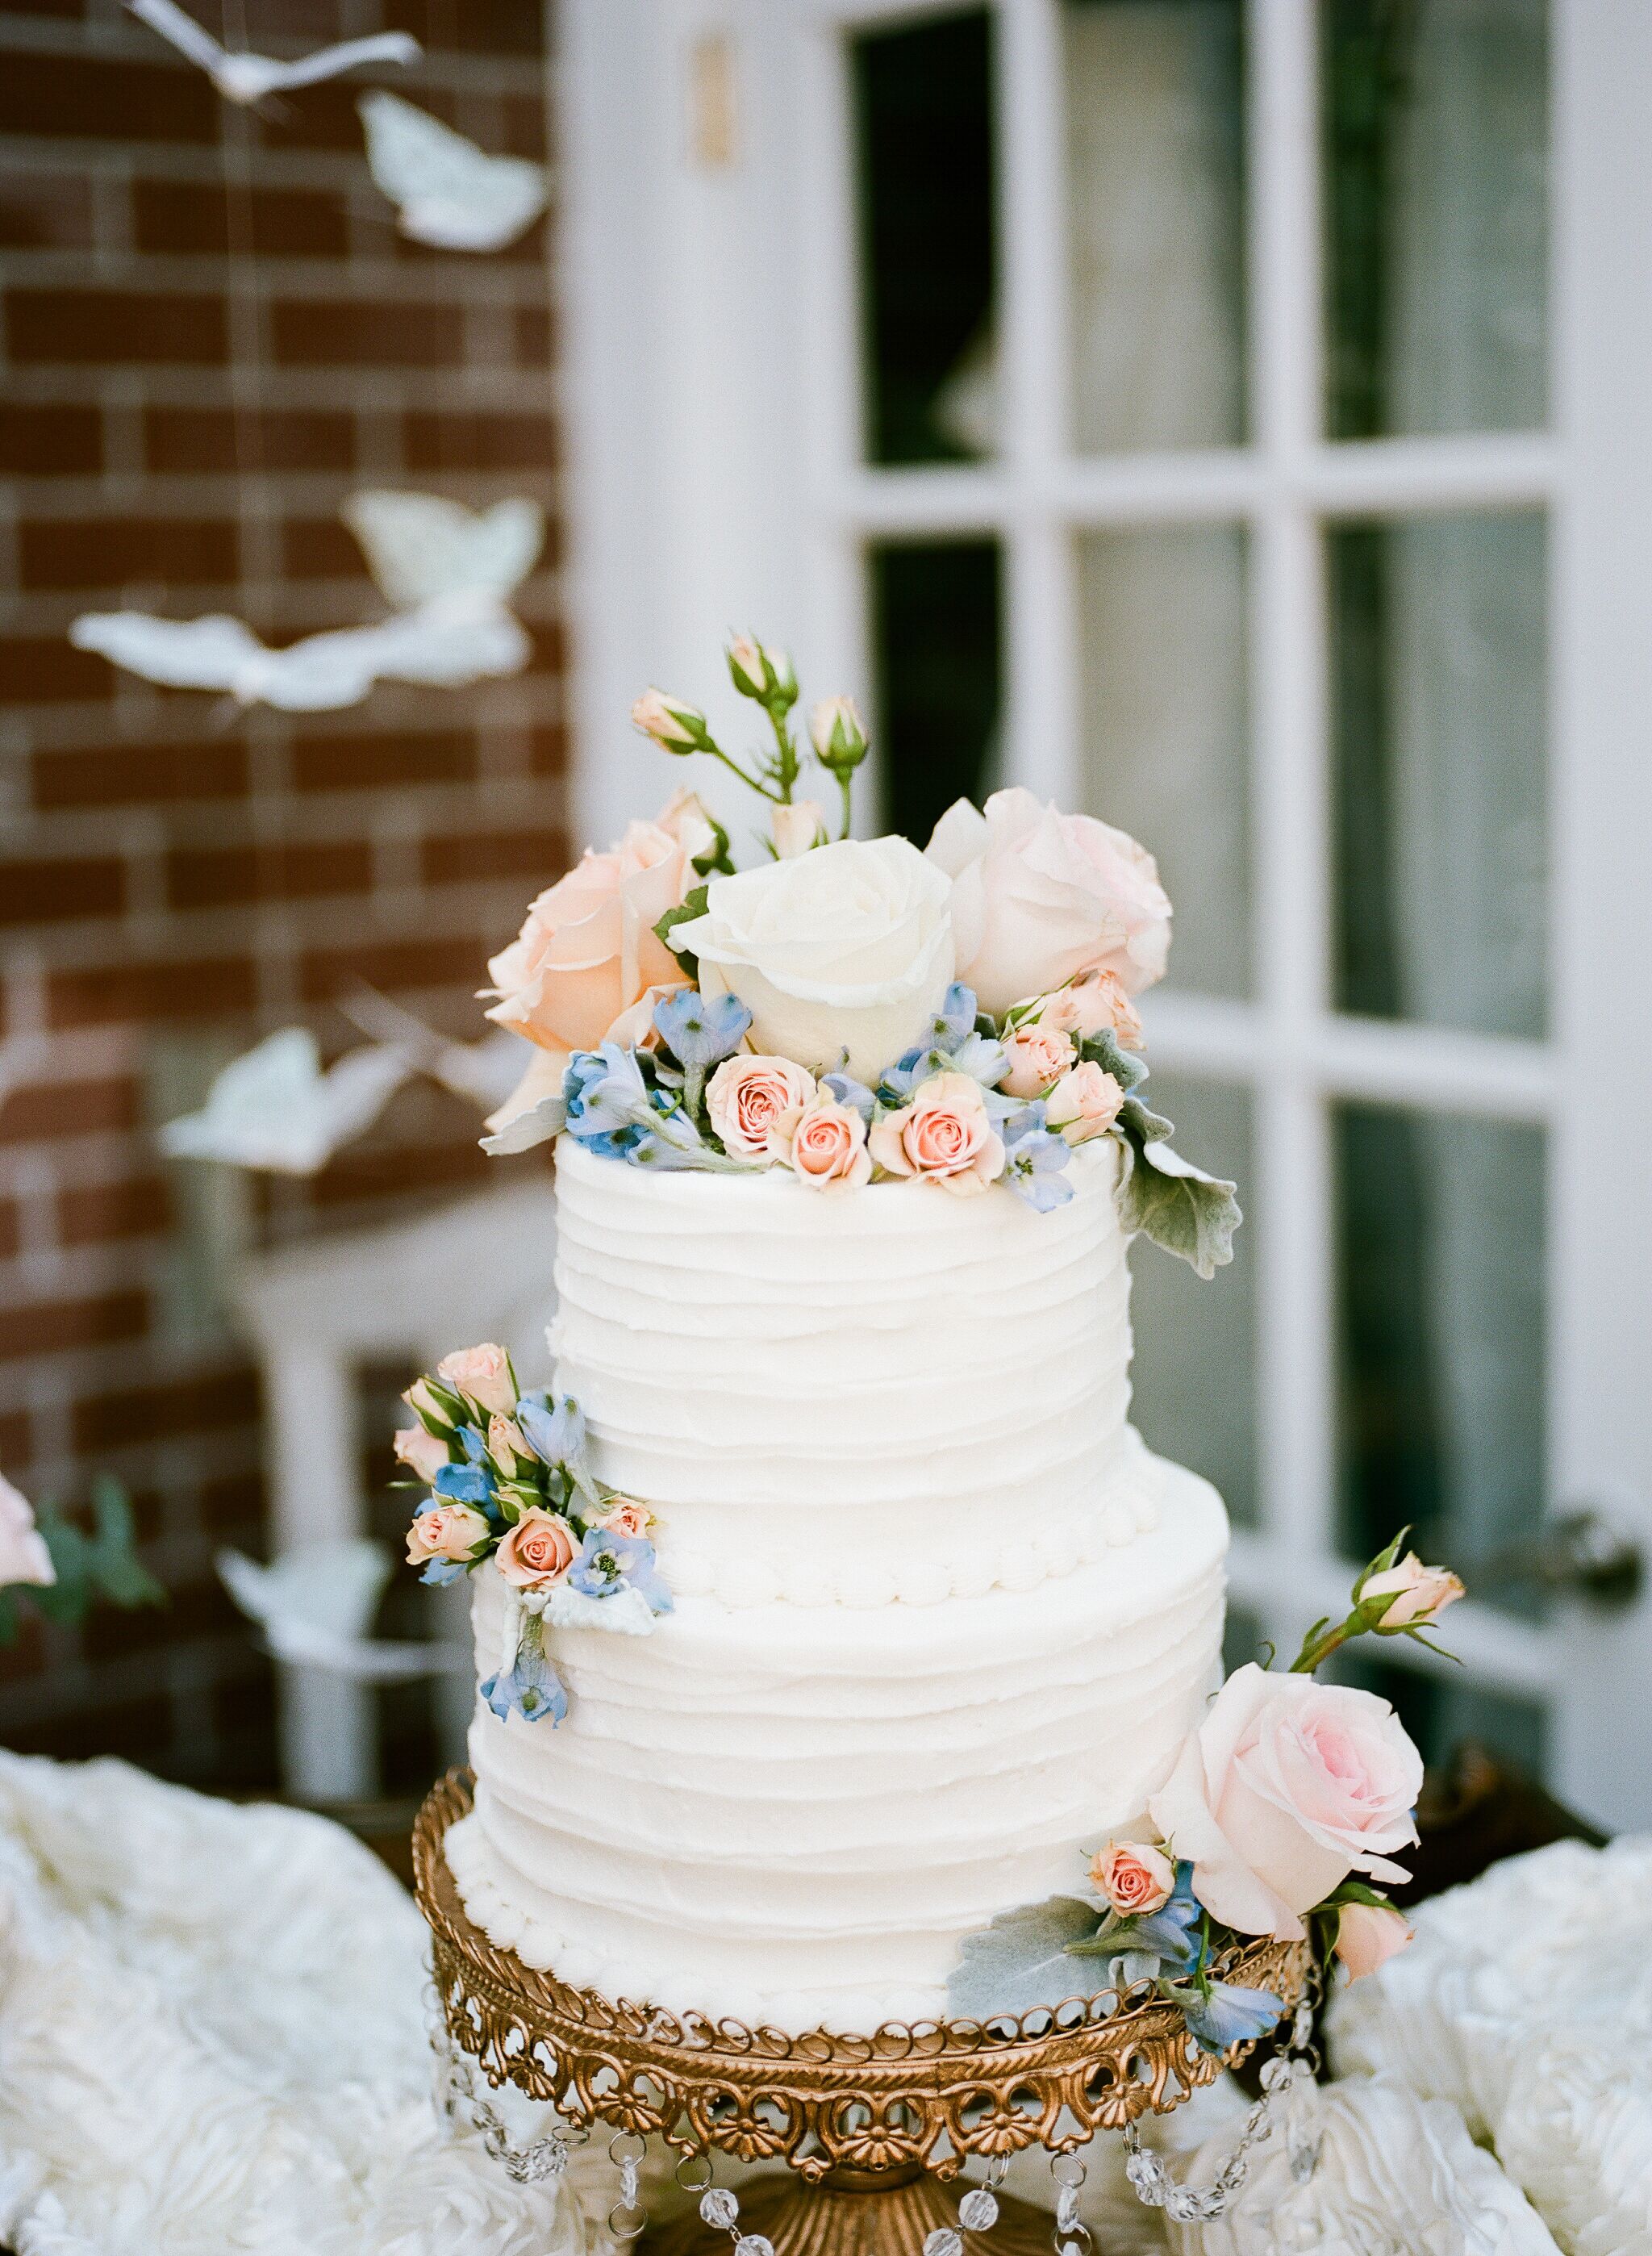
[{"x": 871, "y": 2127}]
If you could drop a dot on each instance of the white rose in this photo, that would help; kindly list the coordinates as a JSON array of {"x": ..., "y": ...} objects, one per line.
[
  {"x": 1039, "y": 896},
  {"x": 849, "y": 948}
]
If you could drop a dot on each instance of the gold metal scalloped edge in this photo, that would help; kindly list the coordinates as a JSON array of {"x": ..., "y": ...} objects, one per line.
[{"x": 933, "y": 2092}]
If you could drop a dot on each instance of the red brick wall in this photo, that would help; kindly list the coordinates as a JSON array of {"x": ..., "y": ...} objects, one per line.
[{"x": 180, "y": 428}]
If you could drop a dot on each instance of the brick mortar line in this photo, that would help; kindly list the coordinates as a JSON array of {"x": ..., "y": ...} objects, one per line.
[
  {"x": 311, "y": 604},
  {"x": 439, "y": 70},
  {"x": 338, "y": 389},
  {"x": 353, "y": 279},
  {"x": 344, "y": 815},
  {"x": 536, "y": 699},
  {"x": 169, "y": 494}
]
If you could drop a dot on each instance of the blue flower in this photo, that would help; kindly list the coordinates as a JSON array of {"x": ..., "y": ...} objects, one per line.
[
  {"x": 701, "y": 1030},
  {"x": 554, "y": 1431},
  {"x": 955, "y": 1018},
  {"x": 1034, "y": 1159},
  {"x": 471, "y": 1441},
  {"x": 444, "y": 1570},
  {"x": 847, "y": 1090},
  {"x": 978, "y": 1055},
  {"x": 1230, "y": 2015},
  {"x": 605, "y": 1091},
  {"x": 464, "y": 1483},
  {"x": 530, "y": 1688},
  {"x": 609, "y": 1562}
]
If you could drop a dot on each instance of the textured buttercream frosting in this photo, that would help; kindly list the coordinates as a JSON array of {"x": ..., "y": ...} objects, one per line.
[{"x": 941, "y": 1620}]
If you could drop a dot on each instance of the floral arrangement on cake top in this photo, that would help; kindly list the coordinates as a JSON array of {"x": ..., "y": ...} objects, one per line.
[
  {"x": 849, "y": 1011},
  {"x": 1281, "y": 1810},
  {"x": 509, "y": 1485}
]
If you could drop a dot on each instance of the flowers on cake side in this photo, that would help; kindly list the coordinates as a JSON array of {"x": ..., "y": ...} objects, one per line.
[
  {"x": 851, "y": 1011},
  {"x": 509, "y": 1483},
  {"x": 1281, "y": 1815}
]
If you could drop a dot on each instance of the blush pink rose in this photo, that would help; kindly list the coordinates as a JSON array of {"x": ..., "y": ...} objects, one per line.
[
  {"x": 1416, "y": 1593},
  {"x": 798, "y": 829},
  {"x": 1368, "y": 1935},
  {"x": 446, "y": 1530},
  {"x": 824, "y": 1144},
  {"x": 1286, "y": 1787},
  {"x": 482, "y": 1374},
  {"x": 746, "y": 1096},
  {"x": 1133, "y": 1878},
  {"x": 537, "y": 1551},
  {"x": 589, "y": 950},
  {"x": 421, "y": 1452},
  {"x": 505, "y": 1443},
  {"x": 1084, "y": 1103},
  {"x": 24, "y": 1557},
  {"x": 1093, "y": 1004},
  {"x": 943, "y": 1136},
  {"x": 1038, "y": 1056},
  {"x": 623, "y": 1515},
  {"x": 1039, "y": 897}
]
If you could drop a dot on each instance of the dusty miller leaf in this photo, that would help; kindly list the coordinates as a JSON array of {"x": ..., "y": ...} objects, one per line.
[
  {"x": 1020, "y": 1963},
  {"x": 1169, "y": 1200}
]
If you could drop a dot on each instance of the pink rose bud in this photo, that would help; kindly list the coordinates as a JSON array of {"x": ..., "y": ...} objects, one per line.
[
  {"x": 757, "y": 671},
  {"x": 1038, "y": 1056},
  {"x": 481, "y": 1374},
  {"x": 837, "y": 734},
  {"x": 824, "y": 1144},
  {"x": 24, "y": 1557},
  {"x": 1133, "y": 1877},
  {"x": 798, "y": 829},
  {"x": 446, "y": 1530},
  {"x": 419, "y": 1399},
  {"x": 1094, "y": 1003},
  {"x": 1368, "y": 1935},
  {"x": 537, "y": 1551},
  {"x": 944, "y": 1136},
  {"x": 505, "y": 1444},
  {"x": 674, "y": 724},
  {"x": 746, "y": 1096},
  {"x": 1084, "y": 1103},
  {"x": 623, "y": 1515},
  {"x": 1419, "y": 1594},
  {"x": 421, "y": 1452}
]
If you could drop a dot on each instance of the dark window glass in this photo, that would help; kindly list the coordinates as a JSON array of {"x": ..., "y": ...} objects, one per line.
[{"x": 935, "y": 612}]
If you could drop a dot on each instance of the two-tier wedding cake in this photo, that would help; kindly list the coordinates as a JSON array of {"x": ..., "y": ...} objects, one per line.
[{"x": 827, "y": 1607}]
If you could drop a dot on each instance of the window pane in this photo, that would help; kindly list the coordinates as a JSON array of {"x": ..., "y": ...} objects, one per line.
[
  {"x": 1163, "y": 619},
  {"x": 1436, "y": 120},
  {"x": 1440, "y": 1337},
  {"x": 935, "y": 619},
  {"x": 1442, "y": 846},
  {"x": 923, "y": 98},
  {"x": 1155, "y": 110},
  {"x": 1195, "y": 1370}
]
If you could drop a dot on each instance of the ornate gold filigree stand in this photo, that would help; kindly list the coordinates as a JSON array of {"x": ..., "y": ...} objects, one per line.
[{"x": 871, "y": 2127}]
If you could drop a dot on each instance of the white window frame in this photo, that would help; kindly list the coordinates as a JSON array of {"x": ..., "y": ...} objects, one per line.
[{"x": 717, "y": 479}]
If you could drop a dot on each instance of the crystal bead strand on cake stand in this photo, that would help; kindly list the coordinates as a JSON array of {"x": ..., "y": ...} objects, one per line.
[{"x": 874, "y": 2130}]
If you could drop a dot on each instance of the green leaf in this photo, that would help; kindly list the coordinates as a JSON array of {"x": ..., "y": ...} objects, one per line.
[
  {"x": 684, "y": 913},
  {"x": 1168, "y": 1199},
  {"x": 1021, "y": 1962},
  {"x": 1102, "y": 1049},
  {"x": 716, "y": 862},
  {"x": 117, "y": 1574},
  {"x": 1353, "y": 1891}
]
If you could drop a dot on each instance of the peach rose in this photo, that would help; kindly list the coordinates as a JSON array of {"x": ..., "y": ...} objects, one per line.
[
  {"x": 1418, "y": 1592},
  {"x": 24, "y": 1557},
  {"x": 824, "y": 1144},
  {"x": 446, "y": 1530},
  {"x": 589, "y": 950},
  {"x": 505, "y": 1444},
  {"x": 1037, "y": 1056},
  {"x": 943, "y": 1136},
  {"x": 1084, "y": 1103},
  {"x": 798, "y": 829},
  {"x": 623, "y": 1515},
  {"x": 1039, "y": 896},
  {"x": 1368, "y": 1935},
  {"x": 746, "y": 1096},
  {"x": 481, "y": 1373},
  {"x": 421, "y": 1452},
  {"x": 1286, "y": 1787},
  {"x": 537, "y": 1551},
  {"x": 1133, "y": 1878},
  {"x": 1093, "y": 1003}
]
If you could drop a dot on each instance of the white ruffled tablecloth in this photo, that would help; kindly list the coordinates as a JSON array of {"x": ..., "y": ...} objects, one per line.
[{"x": 213, "y": 2043}]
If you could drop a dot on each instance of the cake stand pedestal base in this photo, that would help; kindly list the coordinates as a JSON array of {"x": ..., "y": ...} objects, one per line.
[{"x": 854, "y": 2213}]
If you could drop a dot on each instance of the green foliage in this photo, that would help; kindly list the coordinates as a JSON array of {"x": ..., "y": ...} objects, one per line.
[
  {"x": 1168, "y": 1199},
  {"x": 683, "y": 913},
  {"x": 102, "y": 1565}
]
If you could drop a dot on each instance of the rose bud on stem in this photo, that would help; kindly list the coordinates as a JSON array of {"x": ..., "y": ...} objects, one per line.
[
  {"x": 839, "y": 736},
  {"x": 769, "y": 678},
  {"x": 679, "y": 728},
  {"x": 1394, "y": 1596}
]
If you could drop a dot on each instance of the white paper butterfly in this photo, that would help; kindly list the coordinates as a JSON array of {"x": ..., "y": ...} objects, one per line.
[
  {"x": 454, "y": 566},
  {"x": 486, "y": 1071},
  {"x": 446, "y": 190},
  {"x": 275, "y": 1109},
  {"x": 314, "y": 1606},
  {"x": 247, "y": 78}
]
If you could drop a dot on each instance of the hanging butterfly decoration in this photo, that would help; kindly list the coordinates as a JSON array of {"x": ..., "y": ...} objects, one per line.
[
  {"x": 246, "y": 78},
  {"x": 446, "y": 191}
]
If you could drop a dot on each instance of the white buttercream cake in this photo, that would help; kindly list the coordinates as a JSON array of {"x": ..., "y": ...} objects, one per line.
[{"x": 941, "y": 1620}]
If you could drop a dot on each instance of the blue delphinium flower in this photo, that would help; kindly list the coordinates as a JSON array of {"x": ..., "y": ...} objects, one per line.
[
  {"x": 464, "y": 1484},
  {"x": 847, "y": 1090},
  {"x": 955, "y": 1018},
  {"x": 553, "y": 1427},
  {"x": 605, "y": 1091},
  {"x": 1230, "y": 2014},
  {"x": 471, "y": 1441},
  {"x": 701, "y": 1030},
  {"x": 530, "y": 1688},
  {"x": 1035, "y": 1159},
  {"x": 608, "y": 1562}
]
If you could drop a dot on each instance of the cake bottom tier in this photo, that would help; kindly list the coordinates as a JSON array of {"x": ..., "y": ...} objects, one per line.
[{"x": 792, "y": 1815}]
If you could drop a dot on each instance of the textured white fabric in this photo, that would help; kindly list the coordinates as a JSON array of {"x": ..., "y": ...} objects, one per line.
[
  {"x": 794, "y": 1816},
  {"x": 1527, "y": 2001},
  {"x": 212, "y": 2040}
]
